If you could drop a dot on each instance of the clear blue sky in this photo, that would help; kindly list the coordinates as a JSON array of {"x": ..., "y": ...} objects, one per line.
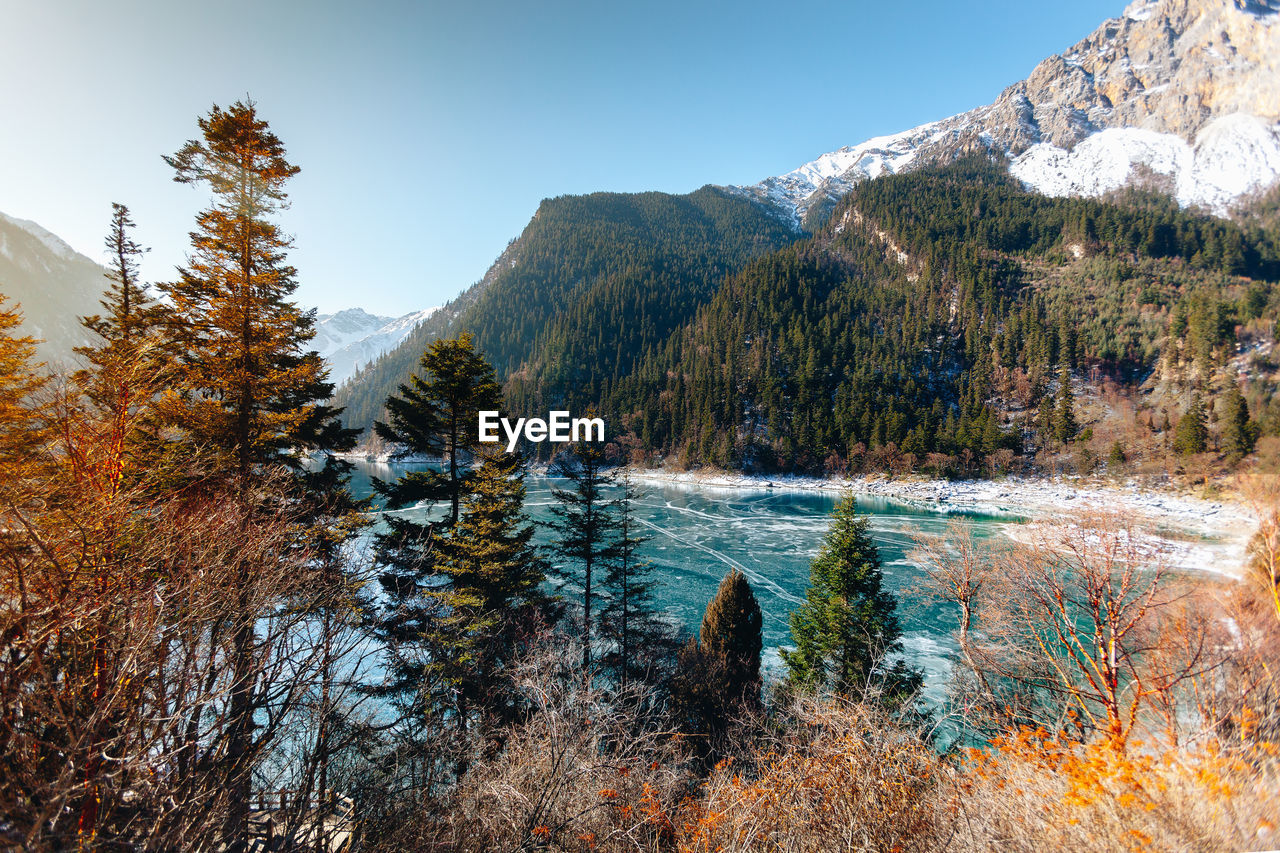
[{"x": 428, "y": 132}]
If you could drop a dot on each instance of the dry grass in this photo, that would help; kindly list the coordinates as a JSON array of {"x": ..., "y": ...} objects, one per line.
[{"x": 844, "y": 778}]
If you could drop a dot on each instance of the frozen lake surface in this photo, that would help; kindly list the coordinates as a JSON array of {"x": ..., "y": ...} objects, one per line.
[{"x": 699, "y": 533}]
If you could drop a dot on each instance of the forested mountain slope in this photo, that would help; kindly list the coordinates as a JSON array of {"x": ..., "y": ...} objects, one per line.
[
  {"x": 592, "y": 284},
  {"x": 935, "y": 314}
]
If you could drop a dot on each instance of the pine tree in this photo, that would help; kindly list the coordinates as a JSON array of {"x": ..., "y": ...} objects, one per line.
[
  {"x": 437, "y": 414},
  {"x": 24, "y": 425},
  {"x": 245, "y": 386},
  {"x": 1064, "y": 416},
  {"x": 731, "y": 635},
  {"x": 1192, "y": 433},
  {"x": 1238, "y": 431},
  {"x": 848, "y": 626},
  {"x": 130, "y": 316},
  {"x": 245, "y": 389},
  {"x": 585, "y": 525},
  {"x": 717, "y": 674},
  {"x": 113, "y": 452},
  {"x": 1116, "y": 458},
  {"x": 493, "y": 596},
  {"x": 1044, "y": 419},
  {"x": 639, "y": 638},
  {"x": 129, "y": 364}
]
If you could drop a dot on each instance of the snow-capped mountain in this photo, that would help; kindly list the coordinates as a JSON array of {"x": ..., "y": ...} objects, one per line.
[
  {"x": 55, "y": 286},
  {"x": 350, "y": 339},
  {"x": 335, "y": 331},
  {"x": 52, "y": 284},
  {"x": 1183, "y": 95}
]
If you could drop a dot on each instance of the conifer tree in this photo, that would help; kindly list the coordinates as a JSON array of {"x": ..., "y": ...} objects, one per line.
[
  {"x": 493, "y": 596},
  {"x": 848, "y": 627},
  {"x": 128, "y": 362},
  {"x": 23, "y": 425},
  {"x": 731, "y": 634},
  {"x": 1238, "y": 431},
  {"x": 130, "y": 316},
  {"x": 1192, "y": 433},
  {"x": 718, "y": 672},
  {"x": 585, "y": 524},
  {"x": 1116, "y": 457},
  {"x": 111, "y": 448},
  {"x": 245, "y": 389},
  {"x": 1044, "y": 419},
  {"x": 1064, "y": 415},
  {"x": 437, "y": 414},
  {"x": 631, "y": 620}
]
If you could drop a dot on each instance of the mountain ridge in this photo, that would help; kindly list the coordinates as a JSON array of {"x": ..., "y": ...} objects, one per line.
[
  {"x": 53, "y": 284},
  {"x": 1168, "y": 68}
]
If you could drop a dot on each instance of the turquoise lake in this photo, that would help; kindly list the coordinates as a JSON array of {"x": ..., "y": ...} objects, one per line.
[{"x": 699, "y": 533}]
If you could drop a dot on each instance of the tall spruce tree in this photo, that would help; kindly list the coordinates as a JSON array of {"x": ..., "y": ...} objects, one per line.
[
  {"x": 585, "y": 525},
  {"x": 434, "y": 415},
  {"x": 437, "y": 414},
  {"x": 246, "y": 386},
  {"x": 129, "y": 363},
  {"x": 493, "y": 598},
  {"x": 1064, "y": 414},
  {"x": 731, "y": 634},
  {"x": 847, "y": 629},
  {"x": 1238, "y": 432},
  {"x": 112, "y": 450},
  {"x": 1192, "y": 433},
  {"x": 129, "y": 317},
  {"x": 24, "y": 425},
  {"x": 639, "y": 640},
  {"x": 717, "y": 673},
  {"x": 246, "y": 389}
]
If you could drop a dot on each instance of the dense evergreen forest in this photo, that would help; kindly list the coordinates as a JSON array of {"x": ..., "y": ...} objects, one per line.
[
  {"x": 942, "y": 320},
  {"x": 592, "y": 284},
  {"x": 937, "y": 313}
]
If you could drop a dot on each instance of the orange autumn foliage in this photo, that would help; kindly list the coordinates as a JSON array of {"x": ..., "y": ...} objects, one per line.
[{"x": 1056, "y": 794}]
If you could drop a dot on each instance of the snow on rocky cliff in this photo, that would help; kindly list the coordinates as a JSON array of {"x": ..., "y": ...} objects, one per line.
[
  {"x": 1180, "y": 94},
  {"x": 1231, "y": 157}
]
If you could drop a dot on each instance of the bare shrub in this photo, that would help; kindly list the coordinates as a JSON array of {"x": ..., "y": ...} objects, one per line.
[
  {"x": 586, "y": 769},
  {"x": 843, "y": 776}
]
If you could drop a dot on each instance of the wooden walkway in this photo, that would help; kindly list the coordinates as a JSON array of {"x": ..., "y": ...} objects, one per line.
[{"x": 280, "y": 824}]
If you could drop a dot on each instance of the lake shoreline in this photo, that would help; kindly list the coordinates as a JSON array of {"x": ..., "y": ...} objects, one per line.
[{"x": 1200, "y": 534}]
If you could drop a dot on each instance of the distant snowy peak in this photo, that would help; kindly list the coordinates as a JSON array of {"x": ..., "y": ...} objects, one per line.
[
  {"x": 52, "y": 284},
  {"x": 55, "y": 244},
  {"x": 1185, "y": 93},
  {"x": 335, "y": 331},
  {"x": 353, "y": 338}
]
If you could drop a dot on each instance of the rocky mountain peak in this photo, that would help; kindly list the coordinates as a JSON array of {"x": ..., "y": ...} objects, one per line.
[
  {"x": 1200, "y": 79},
  {"x": 1171, "y": 66}
]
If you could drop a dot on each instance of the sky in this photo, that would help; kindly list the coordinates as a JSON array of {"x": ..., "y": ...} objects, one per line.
[{"x": 428, "y": 132}]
